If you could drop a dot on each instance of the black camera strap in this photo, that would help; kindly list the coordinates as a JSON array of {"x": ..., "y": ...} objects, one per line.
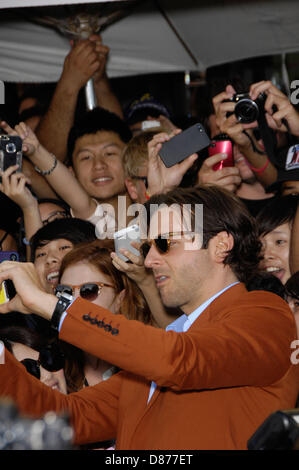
[{"x": 269, "y": 138}]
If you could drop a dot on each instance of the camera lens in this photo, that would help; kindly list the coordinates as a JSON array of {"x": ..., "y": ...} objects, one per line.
[
  {"x": 10, "y": 148},
  {"x": 247, "y": 111}
]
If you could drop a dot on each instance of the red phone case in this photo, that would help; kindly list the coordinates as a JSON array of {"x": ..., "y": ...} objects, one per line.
[{"x": 222, "y": 146}]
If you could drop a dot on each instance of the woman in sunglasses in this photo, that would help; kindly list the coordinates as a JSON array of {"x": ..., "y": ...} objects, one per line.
[
  {"x": 41, "y": 358},
  {"x": 87, "y": 271}
]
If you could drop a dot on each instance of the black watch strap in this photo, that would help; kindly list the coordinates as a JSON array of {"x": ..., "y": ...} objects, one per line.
[{"x": 63, "y": 303}]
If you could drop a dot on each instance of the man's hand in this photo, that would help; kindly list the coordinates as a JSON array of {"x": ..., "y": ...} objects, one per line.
[
  {"x": 30, "y": 298},
  {"x": 228, "y": 177},
  {"x": 81, "y": 63},
  {"x": 160, "y": 178},
  {"x": 102, "y": 56},
  {"x": 285, "y": 109}
]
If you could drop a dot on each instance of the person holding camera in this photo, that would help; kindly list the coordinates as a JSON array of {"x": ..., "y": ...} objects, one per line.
[
  {"x": 207, "y": 382},
  {"x": 242, "y": 135}
]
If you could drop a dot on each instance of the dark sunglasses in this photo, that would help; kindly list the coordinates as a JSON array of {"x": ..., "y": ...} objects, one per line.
[
  {"x": 162, "y": 243},
  {"x": 50, "y": 358},
  {"x": 141, "y": 178},
  {"x": 88, "y": 290}
]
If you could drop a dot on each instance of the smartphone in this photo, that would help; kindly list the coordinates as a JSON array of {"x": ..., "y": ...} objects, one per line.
[
  {"x": 7, "y": 291},
  {"x": 10, "y": 152},
  {"x": 183, "y": 145},
  {"x": 222, "y": 146},
  {"x": 9, "y": 256},
  {"x": 123, "y": 239}
]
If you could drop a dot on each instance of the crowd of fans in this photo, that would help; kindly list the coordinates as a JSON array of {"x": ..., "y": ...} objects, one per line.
[{"x": 59, "y": 214}]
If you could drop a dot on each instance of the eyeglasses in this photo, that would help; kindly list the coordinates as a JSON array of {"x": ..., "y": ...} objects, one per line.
[
  {"x": 50, "y": 358},
  {"x": 161, "y": 242},
  {"x": 56, "y": 215},
  {"x": 88, "y": 290},
  {"x": 142, "y": 178}
]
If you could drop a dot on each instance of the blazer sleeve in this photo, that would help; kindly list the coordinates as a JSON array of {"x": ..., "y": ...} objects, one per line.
[
  {"x": 98, "y": 404},
  {"x": 248, "y": 344}
]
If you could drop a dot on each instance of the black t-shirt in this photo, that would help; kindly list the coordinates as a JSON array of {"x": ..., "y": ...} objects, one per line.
[{"x": 255, "y": 205}]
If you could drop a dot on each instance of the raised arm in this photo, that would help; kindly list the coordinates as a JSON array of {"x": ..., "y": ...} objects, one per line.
[
  {"x": 14, "y": 186},
  {"x": 56, "y": 173},
  {"x": 175, "y": 360},
  {"x": 86, "y": 59}
]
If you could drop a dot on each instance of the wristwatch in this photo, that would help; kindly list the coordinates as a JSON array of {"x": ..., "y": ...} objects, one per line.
[{"x": 64, "y": 301}]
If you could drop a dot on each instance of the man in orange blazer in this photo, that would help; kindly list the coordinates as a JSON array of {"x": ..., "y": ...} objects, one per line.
[{"x": 212, "y": 378}]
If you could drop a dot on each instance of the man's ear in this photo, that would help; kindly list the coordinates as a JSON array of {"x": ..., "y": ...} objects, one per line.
[
  {"x": 221, "y": 245},
  {"x": 131, "y": 188}
]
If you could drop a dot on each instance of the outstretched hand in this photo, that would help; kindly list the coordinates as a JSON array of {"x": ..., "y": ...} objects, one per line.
[{"x": 160, "y": 178}]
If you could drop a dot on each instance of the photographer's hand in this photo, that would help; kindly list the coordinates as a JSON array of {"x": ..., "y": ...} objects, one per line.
[
  {"x": 228, "y": 177},
  {"x": 285, "y": 110},
  {"x": 230, "y": 125},
  {"x": 134, "y": 270}
]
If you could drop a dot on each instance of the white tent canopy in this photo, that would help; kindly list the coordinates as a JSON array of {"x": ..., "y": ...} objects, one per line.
[{"x": 177, "y": 36}]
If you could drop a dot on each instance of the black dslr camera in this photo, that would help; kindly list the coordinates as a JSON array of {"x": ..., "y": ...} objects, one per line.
[{"x": 246, "y": 109}]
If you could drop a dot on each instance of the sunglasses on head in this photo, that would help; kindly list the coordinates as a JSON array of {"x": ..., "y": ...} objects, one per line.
[
  {"x": 50, "y": 358},
  {"x": 161, "y": 242},
  {"x": 88, "y": 290}
]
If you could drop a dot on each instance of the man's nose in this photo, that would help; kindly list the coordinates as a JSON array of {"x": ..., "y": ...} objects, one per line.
[
  {"x": 100, "y": 161},
  {"x": 153, "y": 258}
]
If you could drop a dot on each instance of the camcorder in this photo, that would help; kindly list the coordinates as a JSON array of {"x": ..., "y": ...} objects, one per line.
[{"x": 247, "y": 110}]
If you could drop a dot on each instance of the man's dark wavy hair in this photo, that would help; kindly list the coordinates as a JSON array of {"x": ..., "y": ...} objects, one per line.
[
  {"x": 222, "y": 211},
  {"x": 98, "y": 119}
]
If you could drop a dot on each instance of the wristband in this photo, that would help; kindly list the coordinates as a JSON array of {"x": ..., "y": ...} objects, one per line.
[
  {"x": 259, "y": 170},
  {"x": 47, "y": 172},
  {"x": 63, "y": 303}
]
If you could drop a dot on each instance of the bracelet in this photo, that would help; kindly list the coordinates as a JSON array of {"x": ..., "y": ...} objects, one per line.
[
  {"x": 63, "y": 303},
  {"x": 259, "y": 170},
  {"x": 48, "y": 172}
]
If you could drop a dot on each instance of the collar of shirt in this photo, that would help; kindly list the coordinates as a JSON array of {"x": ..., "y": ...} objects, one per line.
[{"x": 184, "y": 322}]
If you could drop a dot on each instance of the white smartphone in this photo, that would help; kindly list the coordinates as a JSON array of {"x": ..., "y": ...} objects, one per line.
[{"x": 123, "y": 239}]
